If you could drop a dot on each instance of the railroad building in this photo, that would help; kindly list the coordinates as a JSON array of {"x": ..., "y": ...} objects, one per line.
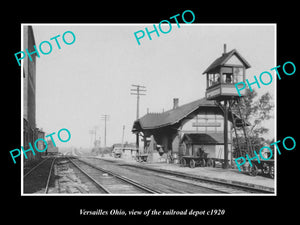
[
  {"x": 40, "y": 144},
  {"x": 201, "y": 128},
  {"x": 127, "y": 150},
  {"x": 188, "y": 129},
  {"x": 51, "y": 150},
  {"x": 30, "y": 131}
]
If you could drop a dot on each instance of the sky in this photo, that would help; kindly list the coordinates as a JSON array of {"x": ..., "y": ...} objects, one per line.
[{"x": 77, "y": 84}]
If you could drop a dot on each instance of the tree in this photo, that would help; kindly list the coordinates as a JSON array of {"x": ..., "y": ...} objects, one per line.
[{"x": 254, "y": 112}]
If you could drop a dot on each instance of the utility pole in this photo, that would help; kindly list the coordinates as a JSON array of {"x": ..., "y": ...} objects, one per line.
[
  {"x": 138, "y": 91},
  {"x": 95, "y": 128},
  {"x": 105, "y": 118},
  {"x": 123, "y": 137},
  {"x": 91, "y": 132}
]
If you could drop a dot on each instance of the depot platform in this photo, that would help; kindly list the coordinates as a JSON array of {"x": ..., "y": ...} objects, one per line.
[{"x": 230, "y": 176}]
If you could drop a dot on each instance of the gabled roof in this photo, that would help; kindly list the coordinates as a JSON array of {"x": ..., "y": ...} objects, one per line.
[
  {"x": 224, "y": 58},
  {"x": 154, "y": 120},
  {"x": 170, "y": 117}
]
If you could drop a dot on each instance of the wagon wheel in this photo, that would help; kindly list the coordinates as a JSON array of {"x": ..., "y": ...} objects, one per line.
[
  {"x": 192, "y": 163},
  {"x": 271, "y": 171},
  {"x": 202, "y": 163},
  {"x": 213, "y": 163},
  {"x": 253, "y": 171},
  {"x": 246, "y": 167},
  {"x": 145, "y": 159},
  {"x": 265, "y": 169},
  {"x": 209, "y": 163},
  {"x": 183, "y": 162}
]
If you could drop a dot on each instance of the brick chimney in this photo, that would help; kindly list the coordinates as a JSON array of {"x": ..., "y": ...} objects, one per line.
[
  {"x": 224, "y": 46},
  {"x": 175, "y": 102}
]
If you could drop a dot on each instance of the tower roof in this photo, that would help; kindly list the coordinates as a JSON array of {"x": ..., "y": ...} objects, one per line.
[{"x": 224, "y": 58}]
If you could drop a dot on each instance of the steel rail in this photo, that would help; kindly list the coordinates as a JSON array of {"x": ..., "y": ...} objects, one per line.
[
  {"x": 125, "y": 179},
  {"x": 214, "y": 182},
  {"x": 199, "y": 179},
  {"x": 173, "y": 179},
  {"x": 188, "y": 183},
  {"x": 49, "y": 176},
  {"x": 91, "y": 178},
  {"x": 33, "y": 168}
]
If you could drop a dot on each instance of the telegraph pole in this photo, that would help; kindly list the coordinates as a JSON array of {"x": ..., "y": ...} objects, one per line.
[
  {"x": 138, "y": 91},
  {"x": 95, "y": 128},
  {"x": 105, "y": 118},
  {"x": 91, "y": 132},
  {"x": 123, "y": 137}
]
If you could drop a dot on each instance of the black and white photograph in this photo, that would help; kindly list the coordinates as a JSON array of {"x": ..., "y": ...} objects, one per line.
[{"x": 175, "y": 115}]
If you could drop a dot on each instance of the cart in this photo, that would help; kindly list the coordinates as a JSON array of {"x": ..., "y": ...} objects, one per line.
[
  {"x": 141, "y": 157},
  {"x": 117, "y": 153},
  {"x": 194, "y": 161},
  {"x": 266, "y": 167}
]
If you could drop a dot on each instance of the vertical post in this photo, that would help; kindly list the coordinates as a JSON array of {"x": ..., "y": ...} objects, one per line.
[
  {"x": 137, "y": 141},
  {"x": 234, "y": 127},
  {"x": 105, "y": 118},
  {"x": 95, "y": 133},
  {"x": 145, "y": 141},
  {"x": 105, "y": 132},
  {"x": 137, "y": 92},
  {"x": 225, "y": 165},
  {"x": 207, "y": 80},
  {"x": 123, "y": 137},
  {"x": 138, "y": 115},
  {"x": 91, "y": 132},
  {"x": 138, "y": 103}
]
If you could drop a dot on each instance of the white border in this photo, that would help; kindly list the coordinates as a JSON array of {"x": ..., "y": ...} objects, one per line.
[
  {"x": 134, "y": 24},
  {"x": 22, "y": 112}
]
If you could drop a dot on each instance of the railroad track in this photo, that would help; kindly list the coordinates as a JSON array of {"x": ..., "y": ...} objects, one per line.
[
  {"x": 214, "y": 185},
  {"x": 109, "y": 182},
  {"x": 49, "y": 176},
  {"x": 39, "y": 177},
  {"x": 222, "y": 187},
  {"x": 36, "y": 166}
]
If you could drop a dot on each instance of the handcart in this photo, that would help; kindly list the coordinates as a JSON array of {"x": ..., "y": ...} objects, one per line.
[{"x": 266, "y": 167}]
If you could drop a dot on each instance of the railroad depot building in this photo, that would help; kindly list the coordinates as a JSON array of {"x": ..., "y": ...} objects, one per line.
[
  {"x": 185, "y": 129},
  {"x": 199, "y": 127}
]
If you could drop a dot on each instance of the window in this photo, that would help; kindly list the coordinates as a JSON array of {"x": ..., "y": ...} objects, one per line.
[
  {"x": 232, "y": 75},
  {"x": 213, "y": 79},
  {"x": 238, "y": 74},
  {"x": 227, "y": 76}
]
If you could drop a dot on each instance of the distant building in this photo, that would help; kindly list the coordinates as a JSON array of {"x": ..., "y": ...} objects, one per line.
[
  {"x": 51, "y": 150},
  {"x": 40, "y": 144},
  {"x": 127, "y": 150},
  {"x": 185, "y": 129}
]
